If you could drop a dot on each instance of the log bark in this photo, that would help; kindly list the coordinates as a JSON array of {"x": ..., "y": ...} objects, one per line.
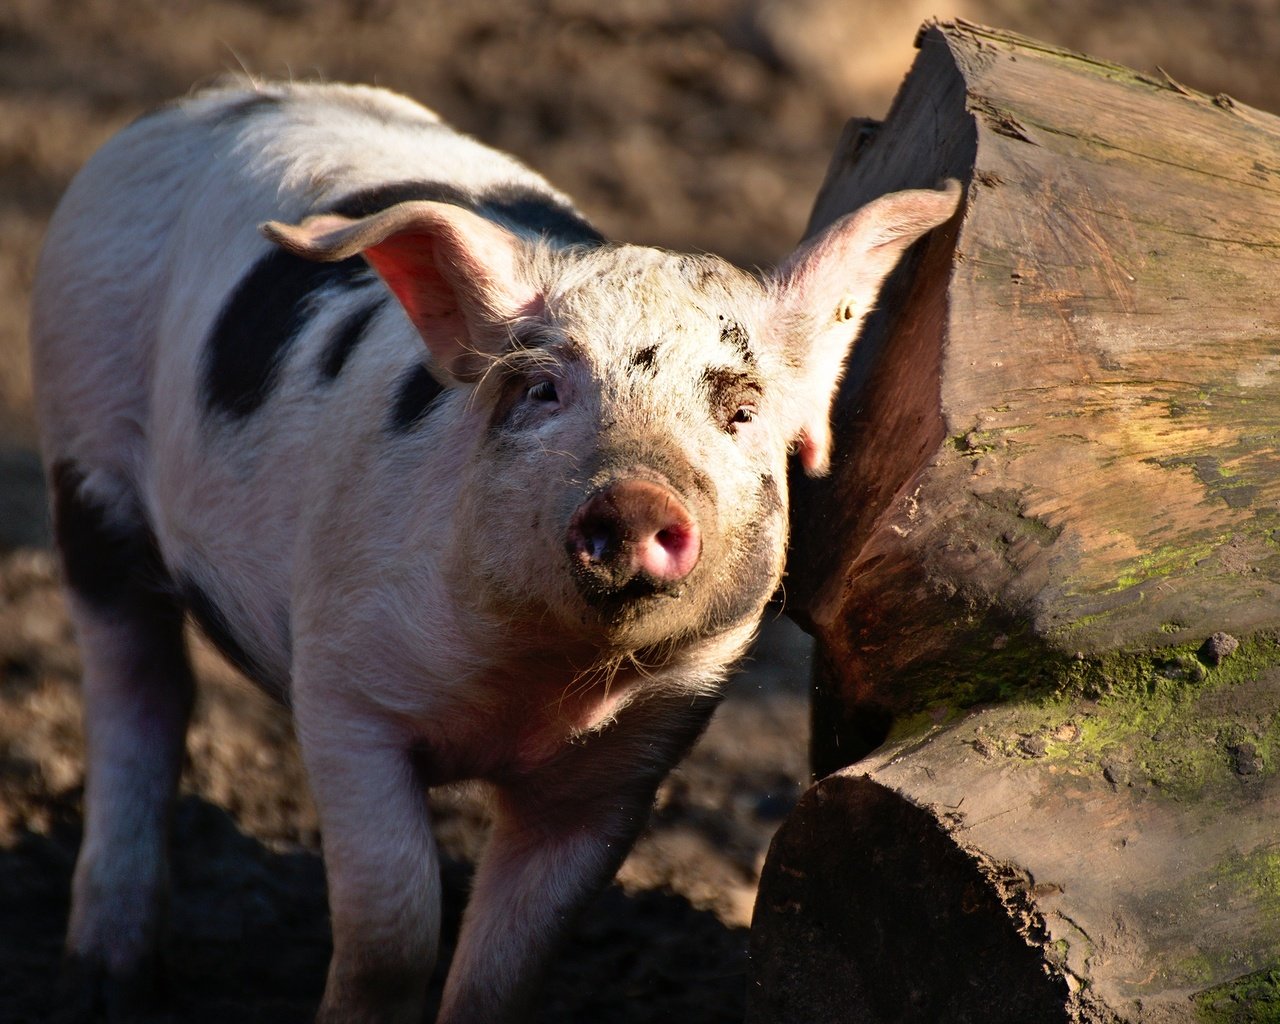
[{"x": 1057, "y": 478}]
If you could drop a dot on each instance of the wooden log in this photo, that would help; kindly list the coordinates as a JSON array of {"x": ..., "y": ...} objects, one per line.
[{"x": 1057, "y": 479}]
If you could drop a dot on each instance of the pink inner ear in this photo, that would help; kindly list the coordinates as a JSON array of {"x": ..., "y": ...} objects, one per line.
[
  {"x": 456, "y": 276},
  {"x": 407, "y": 263}
]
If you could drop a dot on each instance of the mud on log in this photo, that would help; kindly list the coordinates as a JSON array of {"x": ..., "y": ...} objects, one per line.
[{"x": 1053, "y": 515}]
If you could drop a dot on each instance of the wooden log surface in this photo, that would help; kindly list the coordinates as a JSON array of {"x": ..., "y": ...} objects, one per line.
[{"x": 1057, "y": 478}]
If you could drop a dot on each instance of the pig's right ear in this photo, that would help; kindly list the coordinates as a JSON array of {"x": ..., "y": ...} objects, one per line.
[
  {"x": 455, "y": 273},
  {"x": 824, "y": 290}
]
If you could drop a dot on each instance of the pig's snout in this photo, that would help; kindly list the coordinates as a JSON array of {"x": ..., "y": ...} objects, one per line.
[{"x": 633, "y": 537}]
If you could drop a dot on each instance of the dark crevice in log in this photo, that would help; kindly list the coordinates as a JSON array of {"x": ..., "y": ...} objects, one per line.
[{"x": 888, "y": 418}]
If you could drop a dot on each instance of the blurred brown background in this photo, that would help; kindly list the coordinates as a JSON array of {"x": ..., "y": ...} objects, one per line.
[
  {"x": 704, "y": 124},
  {"x": 700, "y": 124}
]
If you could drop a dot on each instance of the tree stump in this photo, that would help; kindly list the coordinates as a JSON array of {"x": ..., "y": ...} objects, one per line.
[{"x": 1044, "y": 575}]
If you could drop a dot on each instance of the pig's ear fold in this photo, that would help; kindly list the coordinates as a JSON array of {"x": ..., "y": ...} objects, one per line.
[
  {"x": 455, "y": 273},
  {"x": 823, "y": 291}
]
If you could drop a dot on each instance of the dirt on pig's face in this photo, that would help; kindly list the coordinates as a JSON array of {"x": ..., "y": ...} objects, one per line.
[{"x": 630, "y": 485}]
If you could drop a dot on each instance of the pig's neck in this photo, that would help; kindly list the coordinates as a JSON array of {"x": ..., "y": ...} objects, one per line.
[{"x": 516, "y": 715}]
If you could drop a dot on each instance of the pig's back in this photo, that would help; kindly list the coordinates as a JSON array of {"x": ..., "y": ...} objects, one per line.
[{"x": 189, "y": 367}]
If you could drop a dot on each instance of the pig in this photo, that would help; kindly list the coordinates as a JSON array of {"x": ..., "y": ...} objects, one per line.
[{"x": 476, "y": 493}]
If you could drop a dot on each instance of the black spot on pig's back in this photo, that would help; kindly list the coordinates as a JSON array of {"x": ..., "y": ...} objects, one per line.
[
  {"x": 272, "y": 304},
  {"x": 537, "y": 212},
  {"x": 520, "y": 206},
  {"x": 346, "y": 337},
  {"x": 260, "y": 321},
  {"x": 416, "y": 395},
  {"x": 368, "y": 201}
]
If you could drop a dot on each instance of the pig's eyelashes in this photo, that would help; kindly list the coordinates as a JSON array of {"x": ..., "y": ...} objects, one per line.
[{"x": 543, "y": 391}]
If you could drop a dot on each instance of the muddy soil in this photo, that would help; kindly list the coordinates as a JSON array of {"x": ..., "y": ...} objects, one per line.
[{"x": 703, "y": 125}]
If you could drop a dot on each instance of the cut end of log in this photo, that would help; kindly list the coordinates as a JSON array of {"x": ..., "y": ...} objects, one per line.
[
  {"x": 1071, "y": 853},
  {"x": 869, "y": 912}
]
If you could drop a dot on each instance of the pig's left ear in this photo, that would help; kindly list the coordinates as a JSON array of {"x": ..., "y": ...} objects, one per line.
[
  {"x": 455, "y": 273},
  {"x": 823, "y": 291}
]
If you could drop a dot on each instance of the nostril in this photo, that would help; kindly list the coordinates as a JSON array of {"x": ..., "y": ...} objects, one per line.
[
  {"x": 671, "y": 552},
  {"x": 673, "y": 538},
  {"x": 598, "y": 538}
]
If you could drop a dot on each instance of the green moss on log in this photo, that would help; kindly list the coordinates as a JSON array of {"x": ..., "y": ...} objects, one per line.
[
  {"x": 983, "y": 664},
  {"x": 1253, "y": 999},
  {"x": 1166, "y": 719},
  {"x": 1244, "y": 880},
  {"x": 1160, "y": 717},
  {"x": 1162, "y": 562}
]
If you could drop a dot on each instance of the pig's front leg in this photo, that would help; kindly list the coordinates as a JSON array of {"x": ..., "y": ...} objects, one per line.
[
  {"x": 558, "y": 837},
  {"x": 380, "y": 861}
]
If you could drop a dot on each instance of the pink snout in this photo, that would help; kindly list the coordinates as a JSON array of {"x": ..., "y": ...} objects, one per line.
[{"x": 634, "y": 528}]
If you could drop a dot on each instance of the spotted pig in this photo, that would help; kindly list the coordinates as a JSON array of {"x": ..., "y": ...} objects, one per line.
[{"x": 475, "y": 492}]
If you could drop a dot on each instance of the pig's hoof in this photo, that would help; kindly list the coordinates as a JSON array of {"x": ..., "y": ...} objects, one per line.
[{"x": 87, "y": 993}]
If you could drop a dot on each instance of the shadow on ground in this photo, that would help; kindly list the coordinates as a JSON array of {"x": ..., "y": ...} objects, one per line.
[{"x": 249, "y": 935}]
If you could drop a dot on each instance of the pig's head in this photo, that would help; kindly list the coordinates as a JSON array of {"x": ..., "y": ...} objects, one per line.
[{"x": 632, "y": 409}]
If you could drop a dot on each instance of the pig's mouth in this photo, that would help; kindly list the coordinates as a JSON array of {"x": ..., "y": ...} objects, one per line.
[{"x": 612, "y": 593}]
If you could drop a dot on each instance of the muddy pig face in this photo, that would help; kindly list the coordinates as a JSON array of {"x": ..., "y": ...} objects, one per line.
[
  {"x": 635, "y": 447},
  {"x": 631, "y": 409}
]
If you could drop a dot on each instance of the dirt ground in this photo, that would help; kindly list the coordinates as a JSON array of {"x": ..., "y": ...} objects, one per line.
[{"x": 703, "y": 125}]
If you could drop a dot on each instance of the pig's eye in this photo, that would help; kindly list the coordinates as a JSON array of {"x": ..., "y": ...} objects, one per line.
[
  {"x": 543, "y": 391},
  {"x": 734, "y": 396},
  {"x": 744, "y": 414}
]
